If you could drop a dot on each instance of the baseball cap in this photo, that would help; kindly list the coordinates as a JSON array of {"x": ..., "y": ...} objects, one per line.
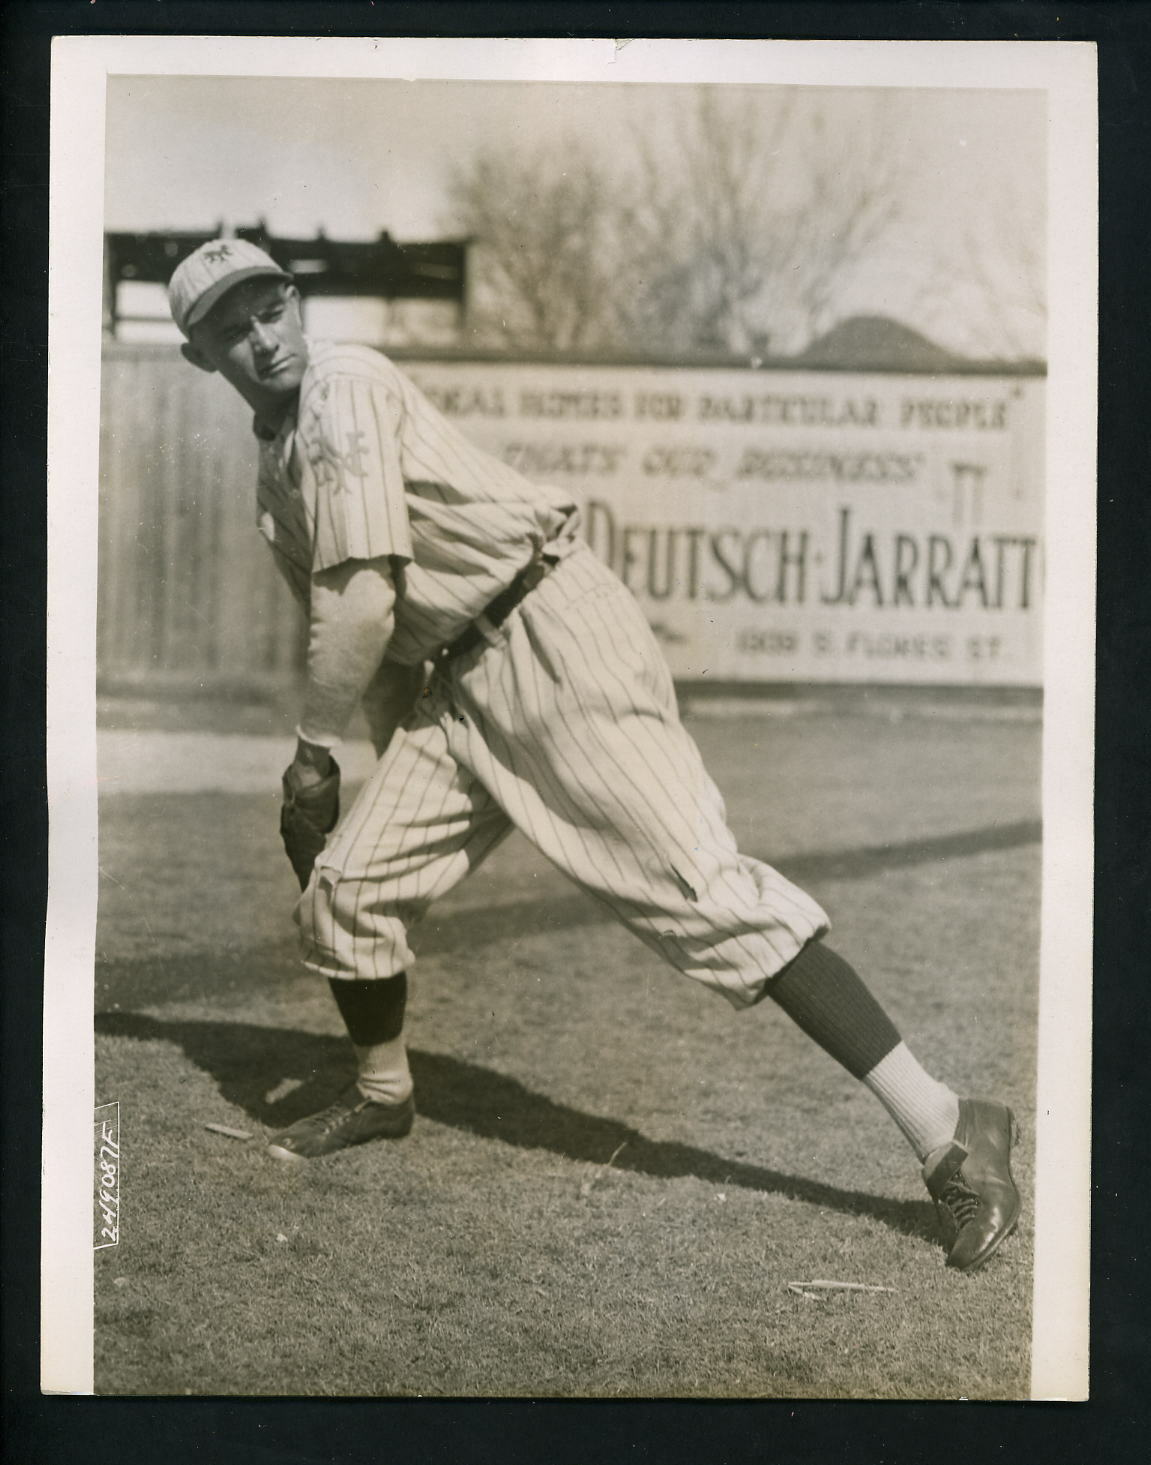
[{"x": 211, "y": 271}]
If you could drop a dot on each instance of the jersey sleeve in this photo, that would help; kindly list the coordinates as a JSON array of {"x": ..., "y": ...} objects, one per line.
[{"x": 353, "y": 484}]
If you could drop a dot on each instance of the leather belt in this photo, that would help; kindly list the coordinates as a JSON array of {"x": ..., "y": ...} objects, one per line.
[{"x": 498, "y": 610}]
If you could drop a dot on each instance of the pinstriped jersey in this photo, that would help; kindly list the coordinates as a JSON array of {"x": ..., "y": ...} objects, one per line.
[{"x": 367, "y": 468}]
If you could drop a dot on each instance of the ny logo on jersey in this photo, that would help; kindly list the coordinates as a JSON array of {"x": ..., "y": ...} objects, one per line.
[
  {"x": 219, "y": 254},
  {"x": 331, "y": 466}
]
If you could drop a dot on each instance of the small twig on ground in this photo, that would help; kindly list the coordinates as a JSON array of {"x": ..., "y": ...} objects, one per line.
[
  {"x": 810, "y": 1290},
  {"x": 600, "y": 1170},
  {"x": 231, "y": 1133},
  {"x": 285, "y": 1087}
]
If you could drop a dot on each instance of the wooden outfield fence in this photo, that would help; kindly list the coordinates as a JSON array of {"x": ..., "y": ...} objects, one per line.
[
  {"x": 187, "y": 588},
  {"x": 779, "y": 524}
]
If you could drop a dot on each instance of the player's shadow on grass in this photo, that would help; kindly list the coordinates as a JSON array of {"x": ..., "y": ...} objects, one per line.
[{"x": 250, "y": 1063}]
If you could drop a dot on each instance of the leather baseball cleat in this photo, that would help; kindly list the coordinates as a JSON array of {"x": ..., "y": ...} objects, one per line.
[
  {"x": 351, "y": 1120},
  {"x": 970, "y": 1182}
]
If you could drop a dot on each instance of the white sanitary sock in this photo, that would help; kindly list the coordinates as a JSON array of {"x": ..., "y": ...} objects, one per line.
[
  {"x": 383, "y": 1073},
  {"x": 926, "y": 1110}
]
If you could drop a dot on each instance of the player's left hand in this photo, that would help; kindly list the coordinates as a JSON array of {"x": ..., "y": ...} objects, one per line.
[{"x": 310, "y": 811}]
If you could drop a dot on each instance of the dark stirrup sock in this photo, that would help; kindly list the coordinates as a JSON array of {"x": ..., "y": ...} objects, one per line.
[
  {"x": 373, "y": 1011},
  {"x": 821, "y": 993},
  {"x": 827, "y": 998}
]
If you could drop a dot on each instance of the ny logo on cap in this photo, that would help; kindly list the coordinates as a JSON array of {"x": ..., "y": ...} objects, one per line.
[{"x": 218, "y": 254}]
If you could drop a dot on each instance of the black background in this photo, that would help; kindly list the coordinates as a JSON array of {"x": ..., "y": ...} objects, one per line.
[{"x": 1108, "y": 1428}]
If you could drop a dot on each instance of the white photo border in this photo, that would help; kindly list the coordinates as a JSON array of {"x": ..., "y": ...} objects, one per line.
[{"x": 1066, "y": 72}]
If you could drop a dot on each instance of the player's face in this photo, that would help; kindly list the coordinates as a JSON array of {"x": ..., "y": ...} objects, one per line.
[{"x": 254, "y": 338}]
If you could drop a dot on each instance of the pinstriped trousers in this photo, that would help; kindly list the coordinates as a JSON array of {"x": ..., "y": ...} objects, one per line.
[{"x": 563, "y": 724}]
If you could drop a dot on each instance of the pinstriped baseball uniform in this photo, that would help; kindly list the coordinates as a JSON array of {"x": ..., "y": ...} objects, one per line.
[
  {"x": 367, "y": 468},
  {"x": 561, "y": 721}
]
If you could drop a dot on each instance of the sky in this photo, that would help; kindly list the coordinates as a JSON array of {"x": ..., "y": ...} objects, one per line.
[{"x": 355, "y": 157}]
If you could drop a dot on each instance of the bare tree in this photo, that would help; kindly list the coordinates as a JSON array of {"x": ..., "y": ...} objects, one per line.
[
  {"x": 985, "y": 289},
  {"x": 742, "y": 222},
  {"x": 855, "y": 179},
  {"x": 1004, "y": 265},
  {"x": 540, "y": 224},
  {"x": 700, "y": 247},
  {"x": 751, "y": 227}
]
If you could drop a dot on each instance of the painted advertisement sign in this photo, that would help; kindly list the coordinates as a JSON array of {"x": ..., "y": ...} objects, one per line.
[{"x": 792, "y": 525}]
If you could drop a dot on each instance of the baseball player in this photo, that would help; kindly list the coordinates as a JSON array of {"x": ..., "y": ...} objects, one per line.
[{"x": 510, "y": 681}]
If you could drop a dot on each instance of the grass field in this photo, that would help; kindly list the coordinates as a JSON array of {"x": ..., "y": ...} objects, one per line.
[{"x": 614, "y": 1177}]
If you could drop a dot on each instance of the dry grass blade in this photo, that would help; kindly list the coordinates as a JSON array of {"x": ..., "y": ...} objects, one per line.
[
  {"x": 600, "y": 1170},
  {"x": 231, "y": 1133},
  {"x": 810, "y": 1290}
]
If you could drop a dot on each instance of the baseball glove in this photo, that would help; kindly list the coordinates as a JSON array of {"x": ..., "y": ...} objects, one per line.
[{"x": 307, "y": 817}]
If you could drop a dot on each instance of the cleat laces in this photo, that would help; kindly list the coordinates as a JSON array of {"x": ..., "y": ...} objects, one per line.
[
  {"x": 333, "y": 1116},
  {"x": 960, "y": 1200}
]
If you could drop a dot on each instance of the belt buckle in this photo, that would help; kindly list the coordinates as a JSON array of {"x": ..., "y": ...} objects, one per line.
[
  {"x": 485, "y": 630},
  {"x": 481, "y": 629}
]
